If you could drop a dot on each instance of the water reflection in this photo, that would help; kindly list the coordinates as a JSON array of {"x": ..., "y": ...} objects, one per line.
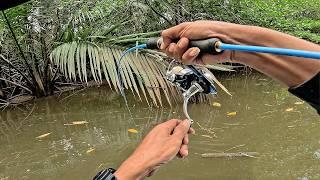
[{"x": 288, "y": 141}]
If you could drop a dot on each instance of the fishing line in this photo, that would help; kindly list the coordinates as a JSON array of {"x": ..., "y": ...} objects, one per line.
[{"x": 119, "y": 69}]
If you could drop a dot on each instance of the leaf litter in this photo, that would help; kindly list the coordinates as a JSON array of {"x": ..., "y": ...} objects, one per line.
[
  {"x": 134, "y": 131},
  {"x": 43, "y": 136},
  {"x": 74, "y": 123}
]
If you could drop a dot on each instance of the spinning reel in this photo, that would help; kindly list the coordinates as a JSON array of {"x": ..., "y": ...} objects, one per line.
[{"x": 190, "y": 80}]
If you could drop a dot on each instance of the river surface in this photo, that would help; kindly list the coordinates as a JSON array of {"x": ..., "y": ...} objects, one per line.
[{"x": 268, "y": 120}]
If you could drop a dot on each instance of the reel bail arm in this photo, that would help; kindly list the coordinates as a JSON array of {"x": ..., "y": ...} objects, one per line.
[{"x": 194, "y": 89}]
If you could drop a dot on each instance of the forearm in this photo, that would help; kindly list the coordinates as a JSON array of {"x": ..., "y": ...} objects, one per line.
[
  {"x": 292, "y": 71},
  {"x": 131, "y": 169}
]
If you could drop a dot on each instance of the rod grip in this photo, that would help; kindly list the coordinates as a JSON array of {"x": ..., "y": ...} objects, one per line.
[{"x": 210, "y": 46}]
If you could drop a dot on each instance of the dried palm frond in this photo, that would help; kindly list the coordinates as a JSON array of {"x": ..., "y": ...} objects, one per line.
[{"x": 143, "y": 75}]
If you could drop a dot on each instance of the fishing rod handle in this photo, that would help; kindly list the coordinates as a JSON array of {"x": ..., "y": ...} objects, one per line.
[{"x": 210, "y": 46}]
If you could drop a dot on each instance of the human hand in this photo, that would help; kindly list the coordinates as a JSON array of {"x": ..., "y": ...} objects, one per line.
[
  {"x": 160, "y": 146},
  {"x": 196, "y": 31},
  {"x": 290, "y": 70}
]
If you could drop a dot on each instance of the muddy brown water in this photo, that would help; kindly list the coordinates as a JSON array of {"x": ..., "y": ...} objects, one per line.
[{"x": 269, "y": 121}]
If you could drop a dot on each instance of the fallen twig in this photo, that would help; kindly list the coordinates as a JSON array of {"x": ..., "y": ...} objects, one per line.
[
  {"x": 238, "y": 146},
  {"x": 207, "y": 130},
  {"x": 230, "y": 155},
  {"x": 16, "y": 84}
]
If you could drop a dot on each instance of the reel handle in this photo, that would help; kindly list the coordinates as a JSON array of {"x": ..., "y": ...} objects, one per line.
[{"x": 210, "y": 46}]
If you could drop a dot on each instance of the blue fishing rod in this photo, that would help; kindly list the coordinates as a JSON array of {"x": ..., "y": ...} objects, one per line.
[{"x": 216, "y": 46}]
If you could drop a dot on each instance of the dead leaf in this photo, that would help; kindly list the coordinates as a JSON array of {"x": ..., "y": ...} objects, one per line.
[
  {"x": 216, "y": 104},
  {"x": 90, "y": 150},
  {"x": 232, "y": 113},
  {"x": 134, "y": 131},
  {"x": 76, "y": 123},
  {"x": 299, "y": 103},
  {"x": 43, "y": 136},
  {"x": 289, "y": 110}
]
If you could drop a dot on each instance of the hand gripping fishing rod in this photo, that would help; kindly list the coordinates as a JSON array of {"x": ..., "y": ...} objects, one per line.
[
  {"x": 192, "y": 80},
  {"x": 215, "y": 46}
]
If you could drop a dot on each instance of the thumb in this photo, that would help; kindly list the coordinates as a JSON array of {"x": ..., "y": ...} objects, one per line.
[{"x": 182, "y": 129}]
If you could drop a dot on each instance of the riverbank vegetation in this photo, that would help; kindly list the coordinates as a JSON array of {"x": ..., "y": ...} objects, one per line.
[{"x": 53, "y": 46}]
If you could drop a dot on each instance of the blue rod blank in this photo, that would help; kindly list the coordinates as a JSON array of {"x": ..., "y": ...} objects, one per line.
[{"x": 278, "y": 51}]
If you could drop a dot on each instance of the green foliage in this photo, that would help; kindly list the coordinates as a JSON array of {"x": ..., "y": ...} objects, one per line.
[
  {"x": 298, "y": 17},
  {"x": 289, "y": 16},
  {"x": 307, "y": 35}
]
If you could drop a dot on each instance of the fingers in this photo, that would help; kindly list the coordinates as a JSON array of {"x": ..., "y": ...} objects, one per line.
[
  {"x": 176, "y": 50},
  {"x": 181, "y": 130},
  {"x": 181, "y": 48},
  {"x": 185, "y": 139},
  {"x": 171, "y": 34},
  {"x": 183, "y": 152},
  {"x": 171, "y": 49},
  {"x": 170, "y": 125},
  {"x": 193, "y": 56},
  {"x": 190, "y": 55},
  {"x": 191, "y": 131}
]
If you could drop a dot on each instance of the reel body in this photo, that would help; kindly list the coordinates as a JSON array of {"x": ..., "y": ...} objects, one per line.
[{"x": 190, "y": 80}]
